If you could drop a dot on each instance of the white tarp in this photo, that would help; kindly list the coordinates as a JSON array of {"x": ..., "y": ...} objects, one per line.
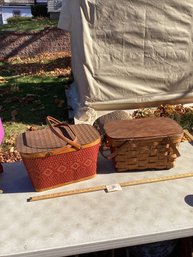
[{"x": 130, "y": 53}]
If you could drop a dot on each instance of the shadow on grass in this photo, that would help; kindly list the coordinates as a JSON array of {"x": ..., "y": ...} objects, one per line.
[
  {"x": 30, "y": 103},
  {"x": 30, "y": 40},
  {"x": 15, "y": 69}
]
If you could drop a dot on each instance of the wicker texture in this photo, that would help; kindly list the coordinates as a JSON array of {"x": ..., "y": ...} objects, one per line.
[
  {"x": 51, "y": 161},
  {"x": 155, "y": 149},
  {"x": 49, "y": 172},
  {"x": 45, "y": 141}
]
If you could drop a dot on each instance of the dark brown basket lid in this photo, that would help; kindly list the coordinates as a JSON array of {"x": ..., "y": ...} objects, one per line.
[
  {"x": 142, "y": 128},
  {"x": 45, "y": 140}
]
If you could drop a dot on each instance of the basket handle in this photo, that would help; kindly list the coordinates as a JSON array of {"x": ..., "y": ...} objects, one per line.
[
  {"x": 124, "y": 144},
  {"x": 187, "y": 134},
  {"x": 174, "y": 148},
  {"x": 112, "y": 155},
  {"x": 57, "y": 123}
]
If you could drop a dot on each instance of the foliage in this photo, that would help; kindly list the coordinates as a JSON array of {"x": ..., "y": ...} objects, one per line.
[
  {"x": 181, "y": 114},
  {"x": 34, "y": 24},
  {"x": 187, "y": 121},
  {"x": 14, "y": 19}
]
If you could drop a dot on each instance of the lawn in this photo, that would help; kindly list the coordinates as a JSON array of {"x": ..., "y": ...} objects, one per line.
[
  {"x": 31, "y": 89},
  {"x": 30, "y": 24}
]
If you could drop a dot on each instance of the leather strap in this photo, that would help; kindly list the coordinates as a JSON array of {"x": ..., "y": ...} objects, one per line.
[{"x": 57, "y": 123}]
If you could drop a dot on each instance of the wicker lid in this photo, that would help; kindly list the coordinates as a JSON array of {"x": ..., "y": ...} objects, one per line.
[
  {"x": 142, "y": 128},
  {"x": 45, "y": 140}
]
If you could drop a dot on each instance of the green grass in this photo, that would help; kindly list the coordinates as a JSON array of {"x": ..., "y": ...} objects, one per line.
[
  {"x": 34, "y": 24},
  {"x": 30, "y": 90},
  {"x": 26, "y": 101},
  {"x": 32, "y": 98},
  {"x": 12, "y": 129}
]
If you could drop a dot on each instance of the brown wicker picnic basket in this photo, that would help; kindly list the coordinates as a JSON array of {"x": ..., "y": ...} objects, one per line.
[
  {"x": 59, "y": 154},
  {"x": 147, "y": 143}
]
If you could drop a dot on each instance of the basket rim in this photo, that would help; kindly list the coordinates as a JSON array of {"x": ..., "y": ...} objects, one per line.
[
  {"x": 144, "y": 128},
  {"x": 148, "y": 138},
  {"x": 52, "y": 152}
]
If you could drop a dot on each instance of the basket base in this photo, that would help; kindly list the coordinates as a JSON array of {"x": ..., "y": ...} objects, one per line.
[
  {"x": 170, "y": 166},
  {"x": 64, "y": 184}
]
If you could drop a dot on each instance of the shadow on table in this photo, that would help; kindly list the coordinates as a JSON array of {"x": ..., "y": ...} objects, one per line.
[
  {"x": 105, "y": 166},
  {"x": 189, "y": 200},
  {"x": 14, "y": 179}
]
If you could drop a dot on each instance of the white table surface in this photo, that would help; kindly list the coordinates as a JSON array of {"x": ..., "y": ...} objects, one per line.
[{"x": 98, "y": 220}]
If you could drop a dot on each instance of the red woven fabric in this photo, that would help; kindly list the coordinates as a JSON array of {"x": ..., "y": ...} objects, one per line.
[{"x": 56, "y": 170}]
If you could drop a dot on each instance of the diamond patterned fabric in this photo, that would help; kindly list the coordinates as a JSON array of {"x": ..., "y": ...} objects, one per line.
[{"x": 53, "y": 171}]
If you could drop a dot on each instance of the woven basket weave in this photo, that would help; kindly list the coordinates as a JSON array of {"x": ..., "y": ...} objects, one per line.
[
  {"x": 59, "y": 154},
  {"x": 140, "y": 144}
]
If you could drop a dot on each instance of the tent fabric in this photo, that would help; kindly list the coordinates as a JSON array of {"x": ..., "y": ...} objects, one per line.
[{"x": 130, "y": 53}]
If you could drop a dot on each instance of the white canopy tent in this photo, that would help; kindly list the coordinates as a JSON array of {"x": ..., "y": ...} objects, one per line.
[{"x": 130, "y": 54}]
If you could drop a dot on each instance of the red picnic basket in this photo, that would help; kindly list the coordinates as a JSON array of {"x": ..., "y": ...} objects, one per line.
[{"x": 59, "y": 154}]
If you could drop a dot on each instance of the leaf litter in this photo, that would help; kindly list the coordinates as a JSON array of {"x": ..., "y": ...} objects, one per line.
[{"x": 56, "y": 64}]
